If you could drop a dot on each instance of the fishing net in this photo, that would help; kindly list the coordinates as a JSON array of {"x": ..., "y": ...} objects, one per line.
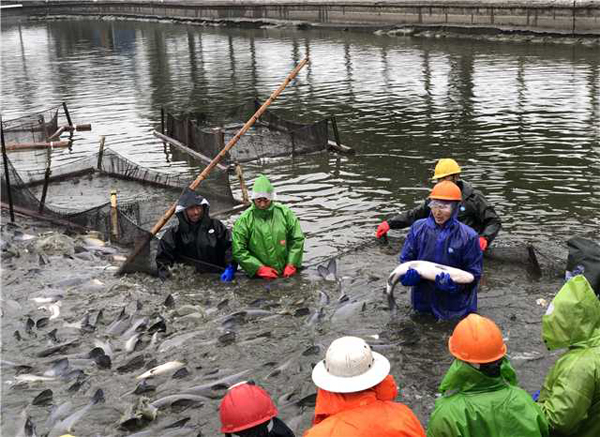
[
  {"x": 32, "y": 128},
  {"x": 271, "y": 136},
  {"x": 143, "y": 196}
]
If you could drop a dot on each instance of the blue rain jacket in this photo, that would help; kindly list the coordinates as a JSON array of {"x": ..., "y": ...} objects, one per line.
[{"x": 453, "y": 244}]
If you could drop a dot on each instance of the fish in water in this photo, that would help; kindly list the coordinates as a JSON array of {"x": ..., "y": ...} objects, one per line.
[
  {"x": 330, "y": 272},
  {"x": 64, "y": 426},
  {"x": 44, "y": 398},
  {"x": 171, "y": 366},
  {"x": 428, "y": 270}
]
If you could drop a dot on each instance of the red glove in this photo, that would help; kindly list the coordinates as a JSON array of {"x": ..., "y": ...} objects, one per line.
[
  {"x": 483, "y": 243},
  {"x": 289, "y": 270},
  {"x": 266, "y": 272},
  {"x": 382, "y": 229}
]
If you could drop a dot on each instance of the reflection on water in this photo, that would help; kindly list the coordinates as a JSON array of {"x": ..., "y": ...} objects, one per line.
[{"x": 523, "y": 120}]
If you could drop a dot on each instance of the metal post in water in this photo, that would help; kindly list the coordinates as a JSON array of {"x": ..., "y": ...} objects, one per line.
[
  {"x": 101, "y": 152},
  {"x": 114, "y": 217},
  {"x": 336, "y": 132},
  {"x": 6, "y": 176},
  {"x": 67, "y": 113}
]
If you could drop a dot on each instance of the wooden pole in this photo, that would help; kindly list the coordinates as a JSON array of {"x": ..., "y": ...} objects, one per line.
[
  {"x": 101, "y": 152},
  {"x": 33, "y": 146},
  {"x": 67, "y": 113},
  {"x": 199, "y": 156},
  {"x": 46, "y": 180},
  {"x": 162, "y": 120},
  {"x": 240, "y": 175},
  {"x": 167, "y": 215},
  {"x": 336, "y": 132},
  {"x": 6, "y": 176},
  {"x": 114, "y": 218}
]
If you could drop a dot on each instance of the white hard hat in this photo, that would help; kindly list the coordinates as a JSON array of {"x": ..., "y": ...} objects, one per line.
[{"x": 350, "y": 366}]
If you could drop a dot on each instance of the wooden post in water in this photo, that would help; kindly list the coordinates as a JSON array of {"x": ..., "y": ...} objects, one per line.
[
  {"x": 114, "y": 216},
  {"x": 46, "y": 179},
  {"x": 67, "y": 113},
  {"x": 240, "y": 175},
  {"x": 6, "y": 176},
  {"x": 101, "y": 152},
  {"x": 336, "y": 132},
  {"x": 162, "y": 120}
]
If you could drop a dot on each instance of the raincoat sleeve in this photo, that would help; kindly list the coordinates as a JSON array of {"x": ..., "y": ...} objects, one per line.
[
  {"x": 407, "y": 218},
  {"x": 167, "y": 249},
  {"x": 567, "y": 400},
  {"x": 490, "y": 220},
  {"x": 444, "y": 424},
  {"x": 240, "y": 245},
  {"x": 409, "y": 250},
  {"x": 295, "y": 239}
]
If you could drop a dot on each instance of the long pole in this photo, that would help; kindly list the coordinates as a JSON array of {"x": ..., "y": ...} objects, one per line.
[
  {"x": 165, "y": 218},
  {"x": 6, "y": 176}
]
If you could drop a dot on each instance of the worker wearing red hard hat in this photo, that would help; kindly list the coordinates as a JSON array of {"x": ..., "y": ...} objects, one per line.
[{"x": 248, "y": 411}]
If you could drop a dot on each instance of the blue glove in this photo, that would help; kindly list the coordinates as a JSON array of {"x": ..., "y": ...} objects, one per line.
[
  {"x": 444, "y": 282},
  {"x": 410, "y": 278},
  {"x": 228, "y": 274},
  {"x": 535, "y": 396}
]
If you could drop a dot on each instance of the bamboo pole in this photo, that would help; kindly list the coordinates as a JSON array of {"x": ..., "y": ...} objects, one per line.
[
  {"x": 167, "y": 215},
  {"x": 114, "y": 220},
  {"x": 197, "y": 155},
  {"x": 33, "y": 146},
  {"x": 240, "y": 175},
  {"x": 100, "y": 152}
]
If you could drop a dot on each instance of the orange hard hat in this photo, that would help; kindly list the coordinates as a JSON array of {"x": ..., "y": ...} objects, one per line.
[
  {"x": 245, "y": 406},
  {"x": 478, "y": 340},
  {"x": 446, "y": 190}
]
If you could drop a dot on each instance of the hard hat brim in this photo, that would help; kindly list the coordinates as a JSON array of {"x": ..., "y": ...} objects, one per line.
[{"x": 351, "y": 384}]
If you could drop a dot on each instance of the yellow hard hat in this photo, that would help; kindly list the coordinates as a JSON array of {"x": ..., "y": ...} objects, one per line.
[{"x": 445, "y": 167}]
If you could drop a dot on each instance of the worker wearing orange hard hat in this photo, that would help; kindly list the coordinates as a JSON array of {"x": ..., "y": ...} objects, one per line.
[
  {"x": 474, "y": 211},
  {"x": 442, "y": 239},
  {"x": 480, "y": 396}
]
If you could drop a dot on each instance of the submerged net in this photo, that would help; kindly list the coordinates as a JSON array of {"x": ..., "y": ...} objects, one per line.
[
  {"x": 272, "y": 136},
  {"x": 32, "y": 128},
  {"x": 143, "y": 196}
]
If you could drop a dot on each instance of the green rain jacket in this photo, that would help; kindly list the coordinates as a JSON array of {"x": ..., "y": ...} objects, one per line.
[
  {"x": 270, "y": 237},
  {"x": 476, "y": 405},
  {"x": 570, "y": 397}
]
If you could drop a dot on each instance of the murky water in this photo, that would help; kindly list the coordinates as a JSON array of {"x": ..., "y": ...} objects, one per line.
[{"x": 523, "y": 120}]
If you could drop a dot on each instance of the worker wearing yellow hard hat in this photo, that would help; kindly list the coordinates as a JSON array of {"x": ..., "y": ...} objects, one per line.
[{"x": 474, "y": 211}]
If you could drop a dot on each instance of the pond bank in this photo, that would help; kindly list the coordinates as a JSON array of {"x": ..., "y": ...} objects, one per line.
[{"x": 571, "y": 18}]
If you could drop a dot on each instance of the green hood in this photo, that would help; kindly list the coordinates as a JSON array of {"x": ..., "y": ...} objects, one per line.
[
  {"x": 262, "y": 188},
  {"x": 573, "y": 316},
  {"x": 463, "y": 377}
]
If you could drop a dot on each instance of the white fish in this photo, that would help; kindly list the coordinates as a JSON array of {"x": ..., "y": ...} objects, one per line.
[
  {"x": 44, "y": 299},
  {"x": 132, "y": 342},
  {"x": 171, "y": 366},
  {"x": 28, "y": 377},
  {"x": 427, "y": 270},
  {"x": 59, "y": 413},
  {"x": 52, "y": 308},
  {"x": 94, "y": 242}
]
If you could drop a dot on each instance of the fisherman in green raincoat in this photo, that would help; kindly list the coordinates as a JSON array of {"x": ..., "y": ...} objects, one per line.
[
  {"x": 480, "y": 396},
  {"x": 570, "y": 396},
  {"x": 267, "y": 239}
]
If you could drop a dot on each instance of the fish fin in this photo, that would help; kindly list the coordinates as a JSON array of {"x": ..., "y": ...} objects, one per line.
[
  {"x": 332, "y": 267},
  {"x": 98, "y": 397},
  {"x": 322, "y": 271}
]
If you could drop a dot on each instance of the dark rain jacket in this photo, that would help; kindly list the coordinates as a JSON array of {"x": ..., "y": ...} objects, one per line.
[
  {"x": 367, "y": 413},
  {"x": 570, "y": 396},
  {"x": 273, "y": 428},
  {"x": 208, "y": 240},
  {"x": 270, "y": 237},
  {"x": 474, "y": 211},
  {"x": 476, "y": 405},
  {"x": 453, "y": 244}
]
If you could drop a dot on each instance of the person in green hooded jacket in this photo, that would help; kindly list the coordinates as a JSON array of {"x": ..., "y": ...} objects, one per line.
[
  {"x": 480, "y": 396},
  {"x": 570, "y": 396},
  {"x": 267, "y": 239}
]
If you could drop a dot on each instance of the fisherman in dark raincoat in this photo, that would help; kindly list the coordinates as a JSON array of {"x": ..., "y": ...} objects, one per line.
[
  {"x": 442, "y": 239},
  {"x": 198, "y": 239},
  {"x": 474, "y": 211}
]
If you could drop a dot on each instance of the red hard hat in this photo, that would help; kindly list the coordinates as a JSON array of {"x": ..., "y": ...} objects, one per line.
[{"x": 245, "y": 406}]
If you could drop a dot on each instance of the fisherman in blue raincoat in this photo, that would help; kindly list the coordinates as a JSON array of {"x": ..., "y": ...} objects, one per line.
[{"x": 442, "y": 239}]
